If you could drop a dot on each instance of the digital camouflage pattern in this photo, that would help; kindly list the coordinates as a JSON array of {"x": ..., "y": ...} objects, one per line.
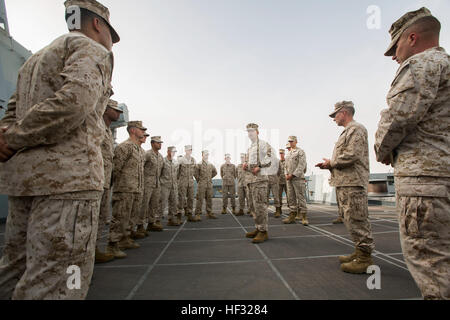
[
  {"x": 424, "y": 216},
  {"x": 242, "y": 189},
  {"x": 350, "y": 161},
  {"x": 282, "y": 186},
  {"x": 55, "y": 119},
  {"x": 295, "y": 163},
  {"x": 275, "y": 188},
  {"x": 128, "y": 171},
  {"x": 281, "y": 172},
  {"x": 258, "y": 196},
  {"x": 259, "y": 154},
  {"x": 414, "y": 134},
  {"x": 414, "y": 130},
  {"x": 296, "y": 189},
  {"x": 105, "y": 212},
  {"x": 122, "y": 210},
  {"x": 169, "y": 187},
  {"x": 44, "y": 236},
  {"x": 107, "y": 147},
  {"x": 108, "y": 157},
  {"x": 353, "y": 203},
  {"x": 228, "y": 173},
  {"x": 151, "y": 209},
  {"x": 204, "y": 174},
  {"x": 186, "y": 173}
]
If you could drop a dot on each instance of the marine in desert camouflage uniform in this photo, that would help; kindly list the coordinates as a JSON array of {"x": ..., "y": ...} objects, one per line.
[
  {"x": 169, "y": 188},
  {"x": 228, "y": 173},
  {"x": 186, "y": 173},
  {"x": 111, "y": 114},
  {"x": 259, "y": 157},
  {"x": 52, "y": 166},
  {"x": 413, "y": 136},
  {"x": 204, "y": 173},
  {"x": 128, "y": 183},
  {"x": 349, "y": 168}
]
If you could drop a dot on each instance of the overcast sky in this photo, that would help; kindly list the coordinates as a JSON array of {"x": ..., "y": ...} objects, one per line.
[{"x": 198, "y": 71}]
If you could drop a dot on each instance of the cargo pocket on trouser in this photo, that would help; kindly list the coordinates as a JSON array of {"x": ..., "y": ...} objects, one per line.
[
  {"x": 422, "y": 209},
  {"x": 356, "y": 217}
]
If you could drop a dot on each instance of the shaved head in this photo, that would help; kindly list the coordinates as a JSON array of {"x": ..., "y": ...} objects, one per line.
[{"x": 427, "y": 26}]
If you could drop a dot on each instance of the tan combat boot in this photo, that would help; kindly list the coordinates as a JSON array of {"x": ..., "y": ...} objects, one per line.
[
  {"x": 141, "y": 231},
  {"x": 298, "y": 216},
  {"x": 224, "y": 210},
  {"x": 349, "y": 258},
  {"x": 197, "y": 218},
  {"x": 191, "y": 218},
  {"x": 251, "y": 234},
  {"x": 155, "y": 227},
  {"x": 304, "y": 219},
  {"x": 172, "y": 223},
  {"x": 211, "y": 216},
  {"x": 291, "y": 218},
  {"x": 360, "y": 264},
  {"x": 102, "y": 257},
  {"x": 240, "y": 213},
  {"x": 261, "y": 237},
  {"x": 128, "y": 243},
  {"x": 277, "y": 212},
  {"x": 136, "y": 236},
  {"x": 114, "y": 250},
  {"x": 339, "y": 220}
]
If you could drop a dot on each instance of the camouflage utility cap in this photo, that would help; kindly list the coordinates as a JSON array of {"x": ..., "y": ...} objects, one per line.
[
  {"x": 399, "y": 26},
  {"x": 98, "y": 9},
  {"x": 340, "y": 105},
  {"x": 136, "y": 124}
]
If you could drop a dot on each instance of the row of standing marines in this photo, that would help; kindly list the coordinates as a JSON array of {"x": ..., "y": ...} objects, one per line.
[
  {"x": 52, "y": 168},
  {"x": 145, "y": 184}
]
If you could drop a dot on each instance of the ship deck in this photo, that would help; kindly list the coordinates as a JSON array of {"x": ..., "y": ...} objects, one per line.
[{"x": 212, "y": 260}]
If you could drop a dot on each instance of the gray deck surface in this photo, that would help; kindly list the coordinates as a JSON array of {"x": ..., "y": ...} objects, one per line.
[{"x": 212, "y": 260}]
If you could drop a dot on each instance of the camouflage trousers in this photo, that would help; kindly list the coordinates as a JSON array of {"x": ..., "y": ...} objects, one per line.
[
  {"x": 340, "y": 212},
  {"x": 354, "y": 205},
  {"x": 282, "y": 187},
  {"x": 204, "y": 192},
  {"x": 151, "y": 208},
  {"x": 136, "y": 209},
  {"x": 229, "y": 192},
  {"x": 105, "y": 212},
  {"x": 185, "y": 198},
  {"x": 296, "y": 195},
  {"x": 122, "y": 208},
  {"x": 258, "y": 191},
  {"x": 243, "y": 196},
  {"x": 423, "y": 205},
  {"x": 44, "y": 237},
  {"x": 251, "y": 206},
  {"x": 169, "y": 198},
  {"x": 275, "y": 188}
]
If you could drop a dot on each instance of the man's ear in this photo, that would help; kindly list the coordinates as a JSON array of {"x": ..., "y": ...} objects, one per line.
[
  {"x": 96, "y": 24},
  {"x": 412, "y": 39}
]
